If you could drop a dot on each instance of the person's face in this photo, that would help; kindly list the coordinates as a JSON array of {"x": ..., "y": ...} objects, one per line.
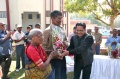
[
  {"x": 38, "y": 27},
  {"x": 28, "y": 29},
  {"x": 118, "y": 32},
  {"x": 57, "y": 20},
  {"x": 74, "y": 30},
  {"x": 114, "y": 32},
  {"x": 80, "y": 31},
  {"x": 96, "y": 29},
  {"x": 38, "y": 39},
  {"x": 89, "y": 31},
  {"x": 2, "y": 27},
  {"x": 19, "y": 29}
]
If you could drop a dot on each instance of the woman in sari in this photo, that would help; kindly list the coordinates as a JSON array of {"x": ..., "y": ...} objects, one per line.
[{"x": 37, "y": 63}]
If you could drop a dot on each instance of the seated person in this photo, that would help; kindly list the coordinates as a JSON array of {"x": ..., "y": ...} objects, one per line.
[{"x": 37, "y": 63}]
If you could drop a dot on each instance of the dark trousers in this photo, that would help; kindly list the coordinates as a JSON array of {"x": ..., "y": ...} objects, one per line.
[
  {"x": 20, "y": 54},
  {"x": 5, "y": 66},
  {"x": 52, "y": 75},
  {"x": 78, "y": 66},
  {"x": 60, "y": 68}
]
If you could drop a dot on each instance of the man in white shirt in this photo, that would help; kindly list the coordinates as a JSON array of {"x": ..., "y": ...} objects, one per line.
[{"x": 19, "y": 38}]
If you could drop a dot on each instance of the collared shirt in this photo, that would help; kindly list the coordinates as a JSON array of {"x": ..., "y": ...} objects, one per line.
[
  {"x": 5, "y": 45},
  {"x": 18, "y": 36},
  {"x": 112, "y": 39},
  {"x": 57, "y": 30},
  {"x": 98, "y": 38}
]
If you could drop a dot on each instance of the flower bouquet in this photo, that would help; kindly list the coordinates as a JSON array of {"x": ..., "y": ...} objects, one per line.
[
  {"x": 115, "y": 53},
  {"x": 58, "y": 45}
]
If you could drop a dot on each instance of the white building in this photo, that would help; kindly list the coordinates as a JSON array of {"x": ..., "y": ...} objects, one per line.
[{"x": 30, "y": 12}]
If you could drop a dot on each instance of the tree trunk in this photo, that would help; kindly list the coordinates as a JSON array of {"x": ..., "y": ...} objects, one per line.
[
  {"x": 112, "y": 26},
  {"x": 112, "y": 18}
]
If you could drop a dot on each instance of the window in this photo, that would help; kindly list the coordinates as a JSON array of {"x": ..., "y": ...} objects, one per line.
[
  {"x": 47, "y": 13},
  {"x": 38, "y": 16},
  {"x": 3, "y": 14},
  {"x": 29, "y": 16}
]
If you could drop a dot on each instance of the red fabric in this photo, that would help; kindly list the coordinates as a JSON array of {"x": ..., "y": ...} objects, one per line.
[
  {"x": 71, "y": 55},
  {"x": 37, "y": 55}
]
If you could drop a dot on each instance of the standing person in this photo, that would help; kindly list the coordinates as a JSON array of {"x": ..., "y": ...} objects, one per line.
[
  {"x": 113, "y": 40},
  {"x": 72, "y": 34},
  {"x": 118, "y": 32},
  {"x": 55, "y": 29},
  {"x": 37, "y": 62},
  {"x": 98, "y": 40},
  {"x": 5, "y": 44},
  {"x": 38, "y": 26},
  {"x": 26, "y": 34},
  {"x": 111, "y": 33},
  {"x": 19, "y": 38},
  {"x": 81, "y": 47},
  {"x": 89, "y": 31}
]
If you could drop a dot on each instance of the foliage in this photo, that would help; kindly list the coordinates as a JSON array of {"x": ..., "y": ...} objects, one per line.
[
  {"x": 16, "y": 75},
  {"x": 104, "y": 10}
]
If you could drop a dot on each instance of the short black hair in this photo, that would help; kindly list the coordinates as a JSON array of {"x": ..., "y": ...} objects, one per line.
[
  {"x": 55, "y": 13},
  {"x": 81, "y": 24},
  {"x": 28, "y": 27},
  {"x": 38, "y": 24},
  {"x": 74, "y": 27},
  {"x": 114, "y": 29}
]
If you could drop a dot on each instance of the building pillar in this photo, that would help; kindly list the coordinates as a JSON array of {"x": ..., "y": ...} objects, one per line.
[{"x": 8, "y": 14}]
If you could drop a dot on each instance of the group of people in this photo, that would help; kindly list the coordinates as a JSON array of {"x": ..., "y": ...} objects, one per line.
[
  {"x": 6, "y": 39},
  {"x": 41, "y": 58}
]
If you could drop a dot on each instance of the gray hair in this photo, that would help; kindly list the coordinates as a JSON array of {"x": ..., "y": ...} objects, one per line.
[{"x": 34, "y": 32}]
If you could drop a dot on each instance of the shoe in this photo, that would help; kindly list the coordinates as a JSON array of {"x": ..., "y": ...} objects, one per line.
[{"x": 17, "y": 70}]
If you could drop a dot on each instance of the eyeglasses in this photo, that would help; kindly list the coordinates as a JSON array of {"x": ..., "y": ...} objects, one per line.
[{"x": 80, "y": 30}]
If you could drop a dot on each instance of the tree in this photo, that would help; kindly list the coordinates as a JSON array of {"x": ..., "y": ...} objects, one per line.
[{"x": 104, "y": 10}]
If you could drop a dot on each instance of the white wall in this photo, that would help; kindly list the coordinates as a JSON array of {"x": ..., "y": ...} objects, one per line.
[
  {"x": 18, "y": 7},
  {"x": 26, "y": 21},
  {"x": 2, "y": 5},
  {"x": 3, "y": 8}
]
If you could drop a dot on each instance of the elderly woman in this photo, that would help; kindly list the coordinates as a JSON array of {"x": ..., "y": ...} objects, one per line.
[{"x": 37, "y": 63}]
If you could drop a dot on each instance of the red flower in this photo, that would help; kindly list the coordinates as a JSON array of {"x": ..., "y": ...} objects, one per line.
[
  {"x": 115, "y": 53},
  {"x": 58, "y": 43}
]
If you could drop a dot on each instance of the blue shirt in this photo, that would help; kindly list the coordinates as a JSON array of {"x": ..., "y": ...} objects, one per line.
[
  {"x": 6, "y": 45},
  {"x": 112, "y": 39}
]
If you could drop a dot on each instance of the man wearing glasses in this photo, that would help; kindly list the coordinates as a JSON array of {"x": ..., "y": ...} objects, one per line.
[{"x": 81, "y": 47}]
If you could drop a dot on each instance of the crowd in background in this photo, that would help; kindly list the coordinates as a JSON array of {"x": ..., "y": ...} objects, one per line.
[{"x": 41, "y": 56}]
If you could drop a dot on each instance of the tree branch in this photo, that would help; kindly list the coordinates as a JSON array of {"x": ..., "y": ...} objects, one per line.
[
  {"x": 109, "y": 4},
  {"x": 100, "y": 19},
  {"x": 101, "y": 6}
]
